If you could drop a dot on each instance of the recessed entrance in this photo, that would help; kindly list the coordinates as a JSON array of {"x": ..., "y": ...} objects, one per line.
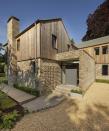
[{"x": 70, "y": 74}]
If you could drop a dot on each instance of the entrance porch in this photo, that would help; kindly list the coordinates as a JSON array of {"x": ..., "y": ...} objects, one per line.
[{"x": 70, "y": 73}]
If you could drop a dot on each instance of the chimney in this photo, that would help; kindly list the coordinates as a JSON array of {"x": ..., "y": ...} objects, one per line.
[
  {"x": 12, "y": 31},
  {"x": 12, "y": 28}
]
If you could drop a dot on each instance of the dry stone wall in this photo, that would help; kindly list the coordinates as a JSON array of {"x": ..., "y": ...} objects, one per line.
[
  {"x": 68, "y": 55},
  {"x": 50, "y": 74},
  {"x": 99, "y": 72},
  {"x": 86, "y": 71},
  {"x": 25, "y": 74}
]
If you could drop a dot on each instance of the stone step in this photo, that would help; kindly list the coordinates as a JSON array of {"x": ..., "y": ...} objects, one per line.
[
  {"x": 64, "y": 89},
  {"x": 61, "y": 91}
]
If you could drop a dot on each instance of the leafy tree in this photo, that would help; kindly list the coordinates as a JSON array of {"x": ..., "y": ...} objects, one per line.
[
  {"x": 3, "y": 60},
  {"x": 72, "y": 41},
  {"x": 98, "y": 22}
]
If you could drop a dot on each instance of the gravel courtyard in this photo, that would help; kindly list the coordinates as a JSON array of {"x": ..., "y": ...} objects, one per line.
[{"x": 88, "y": 114}]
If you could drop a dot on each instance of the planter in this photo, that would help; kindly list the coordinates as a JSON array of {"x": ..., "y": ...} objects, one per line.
[{"x": 75, "y": 95}]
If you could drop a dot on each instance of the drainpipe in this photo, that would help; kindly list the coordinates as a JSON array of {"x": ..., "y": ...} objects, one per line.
[
  {"x": 36, "y": 67},
  {"x": 35, "y": 52}
]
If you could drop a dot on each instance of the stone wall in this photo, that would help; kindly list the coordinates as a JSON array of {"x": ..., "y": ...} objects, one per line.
[
  {"x": 99, "y": 72},
  {"x": 25, "y": 74},
  {"x": 74, "y": 54},
  {"x": 86, "y": 66},
  {"x": 12, "y": 31},
  {"x": 86, "y": 71},
  {"x": 50, "y": 74}
]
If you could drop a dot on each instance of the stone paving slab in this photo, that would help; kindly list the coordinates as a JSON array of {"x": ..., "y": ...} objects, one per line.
[
  {"x": 17, "y": 95},
  {"x": 43, "y": 102}
]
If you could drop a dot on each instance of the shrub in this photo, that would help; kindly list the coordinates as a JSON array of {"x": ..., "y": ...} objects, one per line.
[
  {"x": 78, "y": 90},
  {"x": 102, "y": 81},
  {"x": 27, "y": 89},
  {"x": 2, "y": 74},
  {"x": 9, "y": 119},
  {"x": 3, "y": 80}
]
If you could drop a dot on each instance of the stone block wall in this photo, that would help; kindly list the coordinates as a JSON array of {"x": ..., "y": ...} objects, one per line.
[
  {"x": 25, "y": 74},
  {"x": 48, "y": 77},
  {"x": 86, "y": 71},
  {"x": 50, "y": 74},
  {"x": 12, "y": 31},
  {"x": 99, "y": 72},
  {"x": 74, "y": 54}
]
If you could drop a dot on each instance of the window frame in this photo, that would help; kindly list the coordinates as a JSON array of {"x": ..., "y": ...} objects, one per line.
[
  {"x": 104, "y": 71},
  {"x": 96, "y": 50},
  {"x": 18, "y": 45},
  {"x": 104, "y": 51},
  {"x": 54, "y": 38}
]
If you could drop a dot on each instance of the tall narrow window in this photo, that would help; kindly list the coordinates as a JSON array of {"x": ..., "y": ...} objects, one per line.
[
  {"x": 96, "y": 50},
  {"x": 18, "y": 45},
  {"x": 54, "y": 41},
  {"x": 105, "y": 50},
  {"x": 104, "y": 69},
  {"x": 34, "y": 66}
]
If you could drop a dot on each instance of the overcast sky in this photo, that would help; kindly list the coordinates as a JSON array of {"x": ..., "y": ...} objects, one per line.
[{"x": 73, "y": 12}]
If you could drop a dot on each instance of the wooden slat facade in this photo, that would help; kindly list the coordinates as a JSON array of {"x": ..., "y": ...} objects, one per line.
[
  {"x": 56, "y": 28},
  {"x": 27, "y": 45},
  {"x": 41, "y": 35},
  {"x": 101, "y": 58}
]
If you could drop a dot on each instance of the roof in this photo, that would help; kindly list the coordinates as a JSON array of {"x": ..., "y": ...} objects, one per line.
[
  {"x": 13, "y": 17},
  {"x": 94, "y": 42},
  {"x": 36, "y": 22}
]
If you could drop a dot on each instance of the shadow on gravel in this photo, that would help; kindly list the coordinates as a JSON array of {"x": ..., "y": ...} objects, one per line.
[{"x": 93, "y": 118}]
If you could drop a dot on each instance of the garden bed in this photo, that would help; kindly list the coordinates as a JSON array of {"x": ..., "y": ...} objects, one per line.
[
  {"x": 10, "y": 111},
  {"x": 102, "y": 81},
  {"x": 27, "y": 89}
]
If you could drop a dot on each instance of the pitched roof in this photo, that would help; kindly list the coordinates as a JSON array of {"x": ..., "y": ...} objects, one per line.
[
  {"x": 94, "y": 42},
  {"x": 36, "y": 22}
]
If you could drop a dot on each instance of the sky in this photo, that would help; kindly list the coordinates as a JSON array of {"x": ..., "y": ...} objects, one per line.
[{"x": 73, "y": 12}]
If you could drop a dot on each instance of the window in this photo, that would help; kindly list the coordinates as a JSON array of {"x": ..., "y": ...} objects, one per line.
[
  {"x": 54, "y": 41},
  {"x": 105, "y": 50},
  {"x": 34, "y": 66},
  {"x": 18, "y": 44},
  {"x": 96, "y": 50},
  {"x": 104, "y": 69}
]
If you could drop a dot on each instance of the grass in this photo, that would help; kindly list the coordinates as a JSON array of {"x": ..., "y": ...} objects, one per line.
[
  {"x": 102, "y": 81},
  {"x": 6, "y": 102},
  {"x": 10, "y": 112}
]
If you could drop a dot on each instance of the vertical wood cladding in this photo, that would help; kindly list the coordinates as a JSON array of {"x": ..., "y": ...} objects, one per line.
[
  {"x": 27, "y": 45},
  {"x": 47, "y": 30},
  {"x": 101, "y": 58},
  {"x": 42, "y": 37}
]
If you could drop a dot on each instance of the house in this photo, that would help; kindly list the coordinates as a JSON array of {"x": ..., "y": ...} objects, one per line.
[
  {"x": 42, "y": 56},
  {"x": 99, "y": 50}
]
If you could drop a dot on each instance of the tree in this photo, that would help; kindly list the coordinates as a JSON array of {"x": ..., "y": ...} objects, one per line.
[
  {"x": 3, "y": 60},
  {"x": 98, "y": 22},
  {"x": 72, "y": 41}
]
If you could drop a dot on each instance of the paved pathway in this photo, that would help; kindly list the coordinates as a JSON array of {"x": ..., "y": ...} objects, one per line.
[
  {"x": 30, "y": 102},
  {"x": 17, "y": 95},
  {"x": 43, "y": 102}
]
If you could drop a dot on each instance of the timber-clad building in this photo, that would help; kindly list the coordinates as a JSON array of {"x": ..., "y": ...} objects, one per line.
[{"x": 42, "y": 56}]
